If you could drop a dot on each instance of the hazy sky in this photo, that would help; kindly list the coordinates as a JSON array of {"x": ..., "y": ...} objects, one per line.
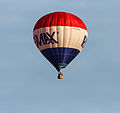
[{"x": 28, "y": 82}]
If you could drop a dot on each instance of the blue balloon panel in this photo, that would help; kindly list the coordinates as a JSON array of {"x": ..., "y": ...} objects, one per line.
[{"x": 60, "y": 57}]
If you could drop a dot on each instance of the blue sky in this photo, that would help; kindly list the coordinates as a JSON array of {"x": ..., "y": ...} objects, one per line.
[{"x": 28, "y": 82}]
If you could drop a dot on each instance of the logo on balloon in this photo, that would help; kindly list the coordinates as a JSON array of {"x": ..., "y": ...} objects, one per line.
[
  {"x": 84, "y": 41},
  {"x": 45, "y": 38}
]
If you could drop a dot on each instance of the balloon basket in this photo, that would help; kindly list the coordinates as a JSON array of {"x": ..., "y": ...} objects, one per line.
[{"x": 60, "y": 75}]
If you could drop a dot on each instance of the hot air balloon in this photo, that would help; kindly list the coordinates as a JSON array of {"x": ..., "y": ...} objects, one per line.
[{"x": 60, "y": 36}]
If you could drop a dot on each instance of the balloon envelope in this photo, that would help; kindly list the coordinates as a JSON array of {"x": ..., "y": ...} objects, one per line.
[{"x": 60, "y": 36}]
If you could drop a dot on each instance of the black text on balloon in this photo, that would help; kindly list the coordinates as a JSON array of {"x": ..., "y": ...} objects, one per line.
[{"x": 45, "y": 38}]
